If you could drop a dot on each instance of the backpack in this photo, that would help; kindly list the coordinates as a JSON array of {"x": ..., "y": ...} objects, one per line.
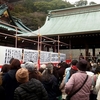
[{"x": 72, "y": 71}]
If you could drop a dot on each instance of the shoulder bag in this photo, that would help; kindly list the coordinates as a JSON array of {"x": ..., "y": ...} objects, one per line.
[{"x": 70, "y": 95}]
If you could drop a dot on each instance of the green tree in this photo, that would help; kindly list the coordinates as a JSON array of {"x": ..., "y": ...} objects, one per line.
[
  {"x": 28, "y": 4},
  {"x": 42, "y": 6},
  {"x": 59, "y": 4},
  {"x": 33, "y": 12}
]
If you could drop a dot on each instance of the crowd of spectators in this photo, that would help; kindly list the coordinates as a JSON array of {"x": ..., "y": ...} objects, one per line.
[{"x": 78, "y": 80}]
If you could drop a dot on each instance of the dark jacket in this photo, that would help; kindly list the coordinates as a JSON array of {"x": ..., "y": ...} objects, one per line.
[
  {"x": 32, "y": 90},
  {"x": 10, "y": 84},
  {"x": 61, "y": 72},
  {"x": 52, "y": 88},
  {"x": 2, "y": 93}
]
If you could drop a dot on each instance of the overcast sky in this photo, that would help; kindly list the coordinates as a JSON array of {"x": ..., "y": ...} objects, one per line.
[{"x": 73, "y": 1}]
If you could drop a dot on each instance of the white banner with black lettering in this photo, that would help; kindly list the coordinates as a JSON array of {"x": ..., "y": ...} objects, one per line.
[
  {"x": 54, "y": 57},
  {"x": 30, "y": 55},
  {"x": 6, "y": 53},
  {"x": 62, "y": 57},
  {"x": 45, "y": 57}
]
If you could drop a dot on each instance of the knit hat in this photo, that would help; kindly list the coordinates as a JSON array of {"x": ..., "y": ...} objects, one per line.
[
  {"x": 43, "y": 66},
  {"x": 82, "y": 65},
  {"x": 30, "y": 66},
  {"x": 22, "y": 75},
  {"x": 23, "y": 65}
]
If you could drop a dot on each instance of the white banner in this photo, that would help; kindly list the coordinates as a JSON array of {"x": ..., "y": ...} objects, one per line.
[
  {"x": 62, "y": 57},
  {"x": 6, "y": 53},
  {"x": 30, "y": 55},
  {"x": 54, "y": 57},
  {"x": 45, "y": 57}
]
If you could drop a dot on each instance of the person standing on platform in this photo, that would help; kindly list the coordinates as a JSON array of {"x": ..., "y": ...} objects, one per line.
[
  {"x": 81, "y": 56},
  {"x": 98, "y": 58},
  {"x": 89, "y": 57}
]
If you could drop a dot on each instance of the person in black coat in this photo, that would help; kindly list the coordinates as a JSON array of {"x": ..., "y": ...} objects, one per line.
[
  {"x": 5, "y": 68},
  {"x": 2, "y": 90},
  {"x": 9, "y": 81},
  {"x": 31, "y": 89},
  {"x": 50, "y": 82}
]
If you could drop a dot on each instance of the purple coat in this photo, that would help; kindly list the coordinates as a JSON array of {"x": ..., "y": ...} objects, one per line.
[{"x": 75, "y": 82}]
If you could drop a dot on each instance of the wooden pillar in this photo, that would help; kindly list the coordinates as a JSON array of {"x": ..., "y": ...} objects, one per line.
[
  {"x": 93, "y": 50},
  {"x": 39, "y": 47},
  {"x": 40, "y": 42},
  {"x": 55, "y": 50},
  {"x": 58, "y": 49},
  {"x": 47, "y": 48},
  {"x": 43, "y": 47},
  {"x": 86, "y": 51},
  {"x": 54, "y": 47},
  {"x": 70, "y": 52},
  {"x": 16, "y": 39}
]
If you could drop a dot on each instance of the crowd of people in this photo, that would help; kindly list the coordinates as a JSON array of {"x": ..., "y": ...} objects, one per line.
[{"x": 78, "y": 80}]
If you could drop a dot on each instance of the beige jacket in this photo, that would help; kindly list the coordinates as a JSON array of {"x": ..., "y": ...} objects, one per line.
[{"x": 97, "y": 87}]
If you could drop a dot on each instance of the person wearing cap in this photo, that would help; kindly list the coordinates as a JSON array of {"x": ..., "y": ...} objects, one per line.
[
  {"x": 33, "y": 72},
  {"x": 29, "y": 89},
  {"x": 42, "y": 68},
  {"x": 77, "y": 80}
]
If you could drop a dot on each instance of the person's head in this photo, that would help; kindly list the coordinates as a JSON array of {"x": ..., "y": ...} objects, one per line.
[
  {"x": 15, "y": 64},
  {"x": 94, "y": 66},
  {"x": 46, "y": 75},
  {"x": 82, "y": 65},
  {"x": 42, "y": 67},
  {"x": 59, "y": 65},
  {"x": 81, "y": 54},
  {"x": 32, "y": 69},
  {"x": 49, "y": 67},
  {"x": 64, "y": 64},
  {"x": 74, "y": 62},
  {"x": 11, "y": 60},
  {"x": 30, "y": 66},
  {"x": 97, "y": 71},
  {"x": 22, "y": 75},
  {"x": 5, "y": 68}
]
